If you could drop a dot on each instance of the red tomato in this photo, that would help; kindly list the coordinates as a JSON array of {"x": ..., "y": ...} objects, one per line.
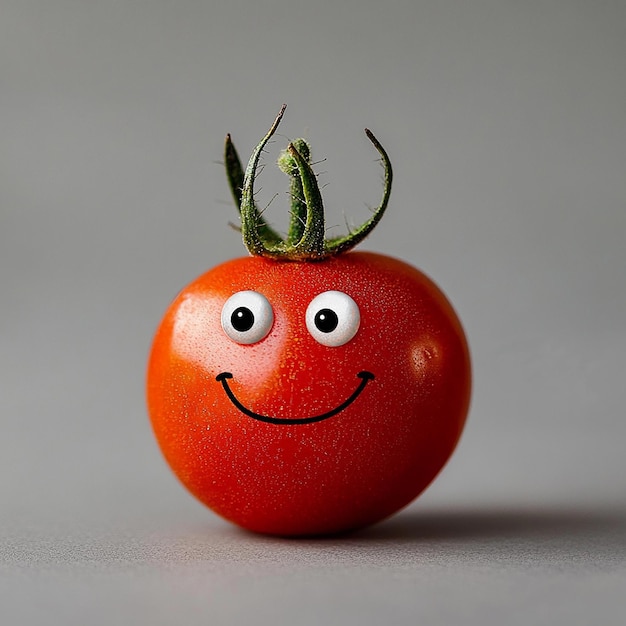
[
  {"x": 298, "y": 397},
  {"x": 349, "y": 469}
]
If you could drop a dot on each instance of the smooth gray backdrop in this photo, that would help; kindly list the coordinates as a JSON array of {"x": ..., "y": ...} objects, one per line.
[{"x": 506, "y": 124}]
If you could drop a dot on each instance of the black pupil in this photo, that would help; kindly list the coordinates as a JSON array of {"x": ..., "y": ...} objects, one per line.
[
  {"x": 242, "y": 319},
  {"x": 326, "y": 320}
]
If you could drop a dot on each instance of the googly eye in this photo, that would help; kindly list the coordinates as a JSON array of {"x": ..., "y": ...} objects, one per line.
[
  {"x": 333, "y": 318},
  {"x": 247, "y": 317}
]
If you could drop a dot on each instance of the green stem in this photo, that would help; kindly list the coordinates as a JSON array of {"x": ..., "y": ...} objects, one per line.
[
  {"x": 306, "y": 240},
  {"x": 234, "y": 171},
  {"x": 342, "y": 244},
  {"x": 251, "y": 219},
  {"x": 288, "y": 165},
  {"x": 311, "y": 244},
  {"x": 235, "y": 176}
]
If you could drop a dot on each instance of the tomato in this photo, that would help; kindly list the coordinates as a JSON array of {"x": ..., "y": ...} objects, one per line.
[{"x": 299, "y": 397}]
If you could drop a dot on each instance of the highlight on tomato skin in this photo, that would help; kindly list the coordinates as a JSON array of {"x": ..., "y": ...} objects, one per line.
[{"x": 307, "y": 389}]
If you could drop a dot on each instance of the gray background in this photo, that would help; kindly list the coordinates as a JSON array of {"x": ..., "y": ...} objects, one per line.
[{"x": 506, "y": 124}]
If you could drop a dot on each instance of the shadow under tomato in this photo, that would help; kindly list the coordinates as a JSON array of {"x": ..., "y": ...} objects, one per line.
[
  {"x": 502, "y": 526},
  {"x": 497, "y": 524}
]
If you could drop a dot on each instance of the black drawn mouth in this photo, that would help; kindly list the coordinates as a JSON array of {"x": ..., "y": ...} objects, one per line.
[{"x": 224, "y": 376}]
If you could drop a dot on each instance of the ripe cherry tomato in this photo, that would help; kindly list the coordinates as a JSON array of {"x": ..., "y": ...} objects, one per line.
[{"x": 299, "y": 395}]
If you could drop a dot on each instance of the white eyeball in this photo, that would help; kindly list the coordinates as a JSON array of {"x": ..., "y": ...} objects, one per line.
[
  {"x": 333, "y": 318},
  {"x": 247, "y": 317}
]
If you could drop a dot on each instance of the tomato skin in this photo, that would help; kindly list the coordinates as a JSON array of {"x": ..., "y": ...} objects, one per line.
[{"x": 347, "y": 471}]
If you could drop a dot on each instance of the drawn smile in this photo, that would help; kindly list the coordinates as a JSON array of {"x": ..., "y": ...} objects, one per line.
[{"x": 224, "y": 376}]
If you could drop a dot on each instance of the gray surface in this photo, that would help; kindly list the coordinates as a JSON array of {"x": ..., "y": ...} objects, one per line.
[{"x": 506, "y": 125}]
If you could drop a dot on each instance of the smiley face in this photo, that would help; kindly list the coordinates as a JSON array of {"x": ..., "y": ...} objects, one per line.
[
  {"x": 332, "y": 318},
  {"x": 279, "y": 392}
]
